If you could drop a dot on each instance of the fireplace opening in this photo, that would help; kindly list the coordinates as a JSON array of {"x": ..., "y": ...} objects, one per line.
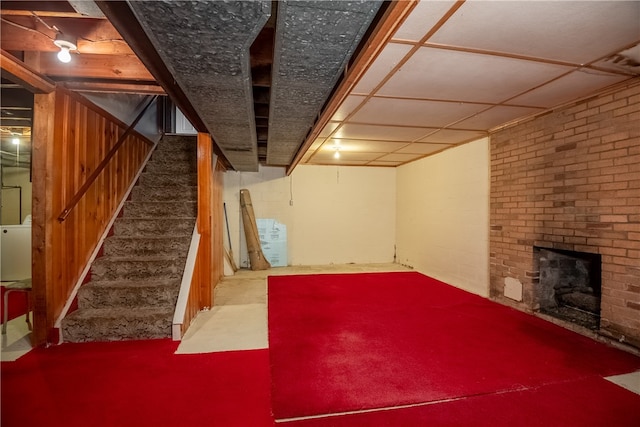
[{"x": 570, "y": 286}]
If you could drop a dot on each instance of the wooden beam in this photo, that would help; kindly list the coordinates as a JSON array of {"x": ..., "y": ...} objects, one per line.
[
  {"x": 95, "y": 66},
  {"x": 18, "y": 72},
  {"x": 205, "y": 217},
  {"x": 42, "y": 212},
  {"x": 113, "y": 87},
  {"x": 98, "y": 38},
  {"x": 123, "y": 19}
]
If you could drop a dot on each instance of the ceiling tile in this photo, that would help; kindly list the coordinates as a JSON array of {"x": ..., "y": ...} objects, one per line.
[
  {"x": 496, "y": 116},
  {"x": 393, "y": 157},
  {"x": 380, "y": 133},
  {"x": 328, "y": 128},
  {"x": 348, "y": 156},
  {"x": 461, "y": 76},
  {"x": 425, "y": 15},
  {"x": 338, "y": 162},
  {"x": 575, "y": 85},
  {"x": 422, "y": 148},
  {"x": 626, "y": 61},
  {"x": 384, "y": 63},
  {"x": 572, "y": 31},
  {"x": 347, "y": 106},
  {"x": 411, "y": 112},
  {"x": 388, "y": 164},
  {"x": 364, "y": 145},
  {"x": 316, "y": 144},
  {"x": 453, "y": 136}
]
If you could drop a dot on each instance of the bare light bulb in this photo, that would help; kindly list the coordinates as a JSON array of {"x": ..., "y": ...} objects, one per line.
[
  {"x": 336, "y": 155},
  {"x": 64, "y": 55},
  {"x": 15, "y": 141},
  {"x": 66, "y": 44}
]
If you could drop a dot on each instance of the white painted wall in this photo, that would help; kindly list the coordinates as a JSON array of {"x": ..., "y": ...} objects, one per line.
[
  {"x": 333, "y": 214},
  {"x": 442, "y": 222}
]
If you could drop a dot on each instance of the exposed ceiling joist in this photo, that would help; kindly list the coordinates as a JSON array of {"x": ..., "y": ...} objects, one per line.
[{"x": 18, "y": 72}]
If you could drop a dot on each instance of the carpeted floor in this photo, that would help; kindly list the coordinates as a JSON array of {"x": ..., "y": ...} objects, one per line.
[
  {"x": 583, "y": 402},
  {"x": 502, "y": 367},
  {"x": 17, "y": 303},
  {"x": 345, "y": 343},
  {"x": 135, "y": 383}
]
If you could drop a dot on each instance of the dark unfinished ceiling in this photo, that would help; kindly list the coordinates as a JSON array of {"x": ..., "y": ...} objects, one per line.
[{"x": 257, "y": 74}]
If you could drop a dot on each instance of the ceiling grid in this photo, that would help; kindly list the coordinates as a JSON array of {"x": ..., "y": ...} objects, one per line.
[{"x": 454, "y": 70}]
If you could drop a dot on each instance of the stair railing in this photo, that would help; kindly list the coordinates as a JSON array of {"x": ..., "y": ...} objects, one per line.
[
  {"x": 190, "y": 273},
  {"x": 83, "y": 189}
]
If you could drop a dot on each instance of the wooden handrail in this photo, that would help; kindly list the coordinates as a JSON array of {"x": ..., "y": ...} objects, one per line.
[{"x": 81, "y": 192}]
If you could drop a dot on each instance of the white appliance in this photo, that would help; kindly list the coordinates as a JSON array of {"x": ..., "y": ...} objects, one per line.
[{"x": 15, "y": 242}]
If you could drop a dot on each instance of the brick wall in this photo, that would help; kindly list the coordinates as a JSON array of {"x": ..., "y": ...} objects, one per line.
[{"x": 570, "y": 179}]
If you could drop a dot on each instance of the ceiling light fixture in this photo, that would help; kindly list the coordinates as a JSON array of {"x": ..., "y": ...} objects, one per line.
[{"x": 66, "y": 44}]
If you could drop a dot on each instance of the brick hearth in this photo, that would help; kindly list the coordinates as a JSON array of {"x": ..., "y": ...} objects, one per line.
[{"x": 570, "y": 179}]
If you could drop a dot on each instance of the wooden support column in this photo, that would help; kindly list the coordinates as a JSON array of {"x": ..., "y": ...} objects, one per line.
[
  {"x": 43, "y": 217},
  {"x": 205, "y": 216}
]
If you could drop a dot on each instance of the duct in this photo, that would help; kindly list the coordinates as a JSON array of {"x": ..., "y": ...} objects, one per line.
[
  {"x": 314, "y": 42},
  {"x": 205, "y": 45}
]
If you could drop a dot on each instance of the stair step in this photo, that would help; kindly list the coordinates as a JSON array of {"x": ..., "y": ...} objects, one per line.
[
  {"x": 156, "y": 293},
  {"x": 178, "y": 143},
  {"x": 154, "y": 226},
  {"x": 185, "y": 209},
  {"x": 140, "y": 246},
  {"x": 162, "y": 179},
  {"x": 117, "y": 324},
  {"x": 164, "y": 193},
  {"x": 134, "y": 286},
  {"x": 171, "y": 166},
  {"x": 138, "y": 268}
]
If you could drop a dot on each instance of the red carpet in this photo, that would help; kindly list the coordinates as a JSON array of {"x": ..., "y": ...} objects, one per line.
[
  {"x": 580, "y": 403},
  {"x": 347, "y": 342},
  {"x": 139, "y": 383},
  {"x": 17, "y": 304}
]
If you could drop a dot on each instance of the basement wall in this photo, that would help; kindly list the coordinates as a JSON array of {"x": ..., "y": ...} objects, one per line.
[
  {"x": 11, "y": 176},
  {"x": 333, "y": 214},
  {"x": 571, "y": 180},
  {"x": 442, "y": 221}
]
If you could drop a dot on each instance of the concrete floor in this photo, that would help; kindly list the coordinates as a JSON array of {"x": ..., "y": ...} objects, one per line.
[{"x": 238, "y": 319}]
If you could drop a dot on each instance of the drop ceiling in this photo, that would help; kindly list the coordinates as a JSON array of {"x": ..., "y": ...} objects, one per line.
[
  {"x": 382, "y": 83},
  {"x": 452, "y": 71}
]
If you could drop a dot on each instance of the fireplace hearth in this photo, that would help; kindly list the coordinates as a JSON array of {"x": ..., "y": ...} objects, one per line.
[{"x": 570, "y": 286}]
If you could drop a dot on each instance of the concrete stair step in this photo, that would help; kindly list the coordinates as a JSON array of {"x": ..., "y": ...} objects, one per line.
[
  {"x": 140, "y": 246},
  {"x": 161, "y": 293},
  {"x": 138, "y": 268},
  {"x": 117, "y": 324}
]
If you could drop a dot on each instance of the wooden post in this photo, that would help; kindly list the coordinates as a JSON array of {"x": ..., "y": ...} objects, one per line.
[
  {"x": 205, "y": 201},
  {"x": 43, "y": 217}
]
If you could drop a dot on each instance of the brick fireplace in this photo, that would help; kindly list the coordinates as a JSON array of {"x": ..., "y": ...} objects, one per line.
[{"x": 569, "y": 180}]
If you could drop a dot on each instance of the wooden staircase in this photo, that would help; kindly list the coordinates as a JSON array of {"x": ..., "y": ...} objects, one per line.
[{"x": 135, "y": 282}]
